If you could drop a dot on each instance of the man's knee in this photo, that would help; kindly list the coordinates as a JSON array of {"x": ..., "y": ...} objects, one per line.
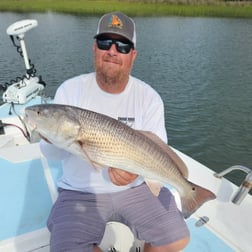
[
  {"x": 180, "y": 244},
  {"x": 171, "y": 247},
  {"x": 97, "y": 249}
]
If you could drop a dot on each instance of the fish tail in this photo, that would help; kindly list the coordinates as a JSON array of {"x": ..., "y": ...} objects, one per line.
[{"x": 194, "y": 199}]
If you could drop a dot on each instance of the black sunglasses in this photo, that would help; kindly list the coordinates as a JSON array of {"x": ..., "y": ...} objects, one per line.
[{"x": 121, "y": 46}]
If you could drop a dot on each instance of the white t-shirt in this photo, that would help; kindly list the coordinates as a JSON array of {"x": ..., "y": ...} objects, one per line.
[{"x": 139, "y": 106}]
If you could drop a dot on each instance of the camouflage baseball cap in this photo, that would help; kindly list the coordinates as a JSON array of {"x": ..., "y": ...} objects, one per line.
[{"x": 117, "y": 23}]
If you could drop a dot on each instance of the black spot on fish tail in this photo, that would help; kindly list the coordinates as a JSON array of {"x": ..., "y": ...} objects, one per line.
[{"x": 194, "y": 199}]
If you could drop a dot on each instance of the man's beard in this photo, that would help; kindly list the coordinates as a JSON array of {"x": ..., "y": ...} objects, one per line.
[{"x": 110, "y": 76}]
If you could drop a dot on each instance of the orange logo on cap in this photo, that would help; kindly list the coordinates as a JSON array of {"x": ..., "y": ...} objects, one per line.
[{"x": 115, "y": 21}]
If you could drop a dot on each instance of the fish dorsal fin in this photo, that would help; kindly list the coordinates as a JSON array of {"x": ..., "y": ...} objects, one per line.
[
  {"x": 154, "y": 185},
  {"x": 175, "y": 158}
]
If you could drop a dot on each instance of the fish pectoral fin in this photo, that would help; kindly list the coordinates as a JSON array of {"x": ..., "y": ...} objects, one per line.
[
  {"x": 97, "y": 166},
  {"x": 85, "y": 156},
  {"x": 166, "y": 148},
  {"x": 154, "y": 185}
]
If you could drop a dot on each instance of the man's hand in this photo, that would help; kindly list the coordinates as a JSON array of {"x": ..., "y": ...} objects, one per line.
[{"x": 121, "y": 177}]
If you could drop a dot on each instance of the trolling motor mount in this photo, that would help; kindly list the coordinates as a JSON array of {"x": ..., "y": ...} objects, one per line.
[{"x": 29, "y": 86}]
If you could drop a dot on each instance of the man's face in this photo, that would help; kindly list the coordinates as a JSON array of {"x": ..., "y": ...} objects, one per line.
[{"x": 111, "y": 65}]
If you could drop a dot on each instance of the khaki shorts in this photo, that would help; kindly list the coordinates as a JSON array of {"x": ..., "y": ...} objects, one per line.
[{"x": 78, "y": 220}]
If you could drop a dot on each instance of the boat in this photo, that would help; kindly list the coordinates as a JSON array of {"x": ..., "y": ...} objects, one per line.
[{"x": 28, "y": 184}]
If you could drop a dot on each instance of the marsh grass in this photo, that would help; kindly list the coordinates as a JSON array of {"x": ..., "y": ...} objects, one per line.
[{"x": 209, "y": 8}]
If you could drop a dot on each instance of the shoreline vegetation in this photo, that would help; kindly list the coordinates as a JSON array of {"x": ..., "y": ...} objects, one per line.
[{"x": 186, "y": 8}]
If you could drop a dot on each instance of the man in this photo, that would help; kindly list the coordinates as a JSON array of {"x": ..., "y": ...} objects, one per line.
[{"x": 88, "y": 199}]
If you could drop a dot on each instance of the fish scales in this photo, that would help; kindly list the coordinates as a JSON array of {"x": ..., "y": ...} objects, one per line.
[{"x": 117, "y": 146}]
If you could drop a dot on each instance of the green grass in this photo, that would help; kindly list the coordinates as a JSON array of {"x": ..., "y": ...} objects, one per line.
[{"x": 133, "y": 8}]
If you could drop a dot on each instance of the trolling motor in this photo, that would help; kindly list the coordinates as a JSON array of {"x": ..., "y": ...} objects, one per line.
[{"x": 28, "y": 86}]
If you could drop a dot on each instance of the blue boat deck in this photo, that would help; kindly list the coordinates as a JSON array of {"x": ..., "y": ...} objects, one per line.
[
  {"x": 202, "y": 239},
  {"x": 25, "y": 198}
]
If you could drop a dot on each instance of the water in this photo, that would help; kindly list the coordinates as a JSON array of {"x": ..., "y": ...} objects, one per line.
[{"x": 202, "y": 67}]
